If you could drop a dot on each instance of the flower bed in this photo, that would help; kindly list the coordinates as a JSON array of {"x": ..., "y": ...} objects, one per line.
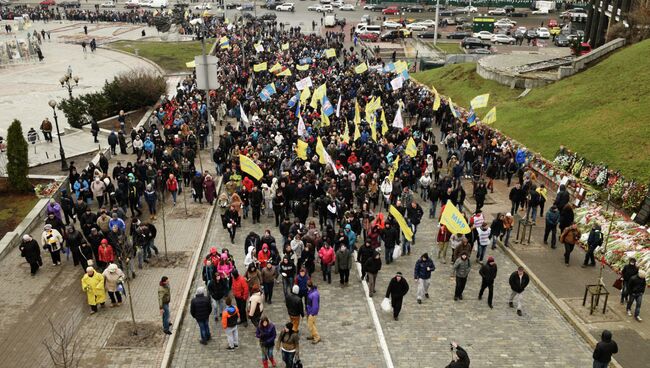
[{"x": 626, "y": 239}]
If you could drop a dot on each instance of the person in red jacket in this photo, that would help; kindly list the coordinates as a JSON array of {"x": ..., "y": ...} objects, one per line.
[
  {"x": 263, "y": 255},
  {"x": 240, "y": 291},
  {"x": 327, "y": 259},
  {"x": 105, "y": 254},
  {"x": 172, "y": 186}
]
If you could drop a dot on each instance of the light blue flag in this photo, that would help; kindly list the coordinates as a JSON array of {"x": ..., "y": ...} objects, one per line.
[
  {"x": 328, "y": 109},
  {"x": 267, "y": 92},
  {"x": 405, "y": 75},
  {"x": 293, "y": 100}
]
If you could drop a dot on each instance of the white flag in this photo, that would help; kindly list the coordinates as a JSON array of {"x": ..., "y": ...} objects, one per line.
[
  {"x": 398, "y": 122},
  {"x": 338, "y": 108},
  {"x": 302, "y": 130},
  {"x": 397, "y": 83},
  {"x": 304, "y": 83},
  {"x": 244, "y": 118}
]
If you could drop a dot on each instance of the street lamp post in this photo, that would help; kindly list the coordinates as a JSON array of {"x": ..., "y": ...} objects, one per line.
[
  {"x": 67, "y": 81},
  {"x": 64, "y": 163}
]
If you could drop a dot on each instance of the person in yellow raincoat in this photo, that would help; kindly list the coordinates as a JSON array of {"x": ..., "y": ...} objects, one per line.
[{"x": 93, "y": 284}]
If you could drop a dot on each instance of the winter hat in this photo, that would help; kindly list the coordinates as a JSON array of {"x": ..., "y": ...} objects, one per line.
[
  {"x": 47, "y": 227},
  {"x": 111, "y": 268},
  {"x": 200, "y": 290},
  {"x": 398, "y": 274},
  {"x": 642, "y": 274},
  {"x": 490, "y": 259},
  {"x": 230, "y": 309},
  {"x": 104, "y": 241},
  {"x": 296, "y": 289},
  {"x": 26, "y": 237}
]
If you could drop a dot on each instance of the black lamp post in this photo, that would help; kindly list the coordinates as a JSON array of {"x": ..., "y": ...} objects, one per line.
[
  {"x": 67, "y": 81},
  {"x": 64, "y": 163}
]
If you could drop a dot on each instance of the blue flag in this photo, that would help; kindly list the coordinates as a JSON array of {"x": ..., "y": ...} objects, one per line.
[
  {"x": 267, "y": 92},
  {"x": 471, "y": 119},
  {"x": 328, "y": 109},
  {"x": 405, "y": 75},
  {"x": 293, "y": 100}
]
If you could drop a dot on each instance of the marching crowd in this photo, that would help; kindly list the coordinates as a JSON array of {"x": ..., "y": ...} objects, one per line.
[{"x": 340, "y": 188}]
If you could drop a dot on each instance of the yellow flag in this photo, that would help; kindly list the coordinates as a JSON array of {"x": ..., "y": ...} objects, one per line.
[
  {"x": 301, "y": 149},
  {"x": 302, "y": 67},
  {"x": 374, "y": 104},
  {"x": 285, "y": 73},
  {"x": 357, "y": 132},
  {"x": 190, "y": 64},
  {"x": 275, "y": 68},
  {"x": 406, "y": 229},
  {"x": 357, "y": 114},
  {"x": 304, "y": 95},
  {"x": 436, "y": 99},
  {"x": 491, "y": 116},
  {"x": 346, "y": 133},
  {"x": 411, "y": 148},
  {"x": 330, "y": 53},
  {"x": 320, "y": 150},
  {"x": 324, "y": 119},
  {"x": 454, "y": 220},
  {"x": 318, "y": 95},
  {"x": 285, "y": 46},
  {"x": 361, "y": 68},
  {"x": 248, "y": 166},
  {"x": 400, "y": 66},
  {"x": 393, "y": 169},
  {"x": 259, "y": 67},
  {"x": 384, "y": 126},
  {"x": 480, "y": 101},
  {"x": 453, "y": 109}
]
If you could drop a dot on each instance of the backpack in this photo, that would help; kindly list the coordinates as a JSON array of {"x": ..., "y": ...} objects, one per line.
[{"x": 231, "y": 320}]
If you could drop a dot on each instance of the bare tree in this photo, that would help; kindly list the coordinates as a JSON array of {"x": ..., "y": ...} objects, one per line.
[
  {"x": 638, "y": 28},
  {"x": 127, "y": 253},
  {"x": 65, "y": 350}
]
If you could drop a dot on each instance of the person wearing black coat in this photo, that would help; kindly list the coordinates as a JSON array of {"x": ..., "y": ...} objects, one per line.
[
  {"x": 390, "y": 236},
  {"x": 479, "y": 195},
  {"x": 200, "y": 309},
  {"x": 488, "y": 273},
  {"x": 566, "y": 217},
  {"x": 67, "y": 205},
  {"x": 562, "y": 198},
  {"x": 397, "y": 288},
  {"x": 363, "y": 254},
  {"x": 256, "y": 200},
  {"x": 636, "y": 287},
  {"x": 461, "y": 360},
  {"x": 30, "y": 250},
  {"x": 218, "y": 289},
  {"x": 518, "y": 281},
  {"x": 604, "y": 350},
  {"x": 74, "y": 241},
  {"x": 516, "y": 198},
  {"x": 372, "y": 266},
  {"x": 628, "y": 271}
]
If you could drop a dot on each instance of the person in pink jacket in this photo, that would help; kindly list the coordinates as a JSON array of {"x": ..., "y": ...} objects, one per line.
[
  {"x": 327, "y": 259},
  {"x": 225, "y": 267}
]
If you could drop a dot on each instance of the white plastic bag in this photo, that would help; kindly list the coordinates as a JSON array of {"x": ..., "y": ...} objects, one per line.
[
  {"x": 397, "y": 252},
  {"x": 385, "y": 305}
]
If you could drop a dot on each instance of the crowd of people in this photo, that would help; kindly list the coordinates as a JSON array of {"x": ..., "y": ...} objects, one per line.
[{"x": 341, "y": 186}]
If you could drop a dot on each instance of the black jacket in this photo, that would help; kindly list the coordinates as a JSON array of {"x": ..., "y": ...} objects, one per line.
[
  {"x": 489, "y": 273},
  {"x": 218, "y": 289},
  {"x": 390, "y": 237},
  {"x": 397, "y": 289},
  {"x": 605, "y": 348},
  {"x": 372, "y": 265},
  {"x": 629, "y": 271},
  {"x": 518, "y": 285},
  {"x": 562, "y": 198},
  {"x": 364, "y": 253},
  {"x": 463, "y": 359},
  {"x": 636, "y": 285},
  {"x": 30, "y": 250},
  {"x": 201, "y": 307},
  {"x": 294, "y": 305}
]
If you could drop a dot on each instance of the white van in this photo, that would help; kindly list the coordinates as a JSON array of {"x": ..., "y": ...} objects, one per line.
[
  {"x": 366, "y": 28},
  {"x": 329, "y": 21},
  {"x": 158, "y": 4}
]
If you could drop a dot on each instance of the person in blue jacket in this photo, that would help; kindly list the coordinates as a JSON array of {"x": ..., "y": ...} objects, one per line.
[{"x": 422, "y": 274}]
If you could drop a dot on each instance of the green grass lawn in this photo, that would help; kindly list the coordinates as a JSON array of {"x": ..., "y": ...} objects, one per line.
[
  {"x": 599, "y": 113},
  {"x": 171, "y": 56},
  {"x": 449, "y": 48}
]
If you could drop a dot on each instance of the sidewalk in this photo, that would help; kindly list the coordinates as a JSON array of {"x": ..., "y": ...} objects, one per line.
[
  {"x": 568, "y": 283},
  {"x": 56, "y": 293}
]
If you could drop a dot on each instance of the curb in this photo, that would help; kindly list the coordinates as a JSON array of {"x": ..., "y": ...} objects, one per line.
[
  {"x": 171, "y": 343},
  {"x": 568, "y": 315}
]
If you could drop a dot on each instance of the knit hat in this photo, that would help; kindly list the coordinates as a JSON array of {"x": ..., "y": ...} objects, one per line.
[
  {"x": 104, "y": 241},
  {"x": 47, "y": 227},
  {"x": 490, "y": 259},
  {"x": 398, "y": 274},
  {"x": 26, "y": 237},
  {"x": 111, "y": 268},
  {"x": 295, "y": 289}
]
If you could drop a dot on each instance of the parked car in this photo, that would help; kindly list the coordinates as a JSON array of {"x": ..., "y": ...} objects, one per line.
[
  {"x": 313, "y": 7},
  {"x": 469, "y": 9},
  {"x": 552, "y": 23},
  {"x": 429, "y": 34},
  {"x": 285, "y": 7},
  {"x": 325, "y": 1},
  {"x": 427, "y": 22},
  {"x": 504, "y": 24},
  {"x": 531, "y": 33},
  {"x": 483, "y": 35},
  {"x": 449, "y": 21},
  {"x": 337, "y": 3},
  {"x": 234, "y": 5},
  {"x": 459, "y": 35},
  {"x": 413, "y": 8},
  {"x": 374, "y": 7},
  {"x": 132, "y": 4},
  {"x": 509, "y": 8},
  {"x": 542, "y": 32},
  {"x": 585, "y": 48},
  {"x": 108, "y": 4},
  {"x": 369, "y": 37},
  {"x": 47, "y": 3},
  {"x": 76, "y": 4},
  {"x": 204, "y": 6},
  {"x": 391, "y": 10},
  {"x": 392, "y": 25},
  {"x": 395, "y": 34},
  {"x": 347, "y": 7},
  {"x": 446, "y": 13},
  {"x": 502, "y": 39},
  {"x": 555, "y": 31},
  {"x": 562, "y": 41},
  {"x": 465, "y": 27},
  {"x": 246, "y": 7},
  {"x": 417, "y": 27},
  {"x": 473, "y": 43},
  {"x": 327, "y": 8},
  {"x": 498, "y": 11}
]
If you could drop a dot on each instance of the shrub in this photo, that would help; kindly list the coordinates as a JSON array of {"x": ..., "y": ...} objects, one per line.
[
  {"x": 17, "y": 161},
  {"x": 134, "y": 89},
  {"x": 75, "y": 110},
  {"x": 97, "y": 105}
]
